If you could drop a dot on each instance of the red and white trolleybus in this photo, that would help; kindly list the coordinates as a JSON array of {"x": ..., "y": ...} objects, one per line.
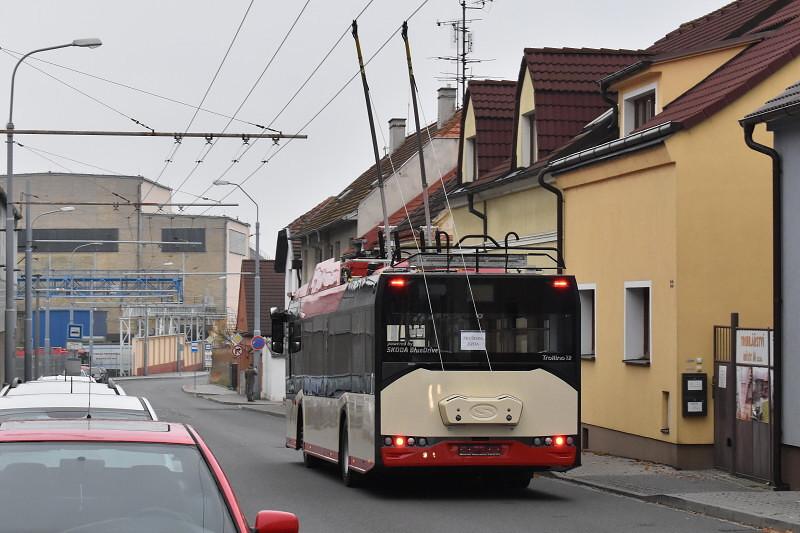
[{"x": 443, "y": 359}]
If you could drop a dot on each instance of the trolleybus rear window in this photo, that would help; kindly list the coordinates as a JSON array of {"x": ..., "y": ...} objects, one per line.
[{"x": 512, "y": 320}]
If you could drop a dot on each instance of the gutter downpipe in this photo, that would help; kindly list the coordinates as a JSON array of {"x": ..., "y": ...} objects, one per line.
[
  {"x": 610, "y": 101},
  {"x": 777, "y": 301},
  {"x": 559, "y": 216},
  {"x": 482, "y": 216}
]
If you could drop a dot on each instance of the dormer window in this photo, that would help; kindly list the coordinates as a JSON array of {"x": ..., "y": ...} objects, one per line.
[
  {"x": 639, "y": 107},
  {"x": 528, "y": 140},
  {"x": 470, "y": 160}
]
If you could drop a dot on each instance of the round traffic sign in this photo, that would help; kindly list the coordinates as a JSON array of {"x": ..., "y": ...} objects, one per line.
[
  {"x": 238, "y": 350},
  {"x": 258, "y": 343}
]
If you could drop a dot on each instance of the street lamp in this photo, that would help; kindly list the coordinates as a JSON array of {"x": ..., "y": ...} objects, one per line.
[
  {"x": 28, "y": 326},
  {"x": 72, "y": 273},
  {"x": 11, "y": 310},
  {"x": 257, "y": 277}
]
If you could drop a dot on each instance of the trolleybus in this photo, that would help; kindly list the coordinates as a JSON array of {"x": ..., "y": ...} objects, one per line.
[{"x": 439, "y": 360}]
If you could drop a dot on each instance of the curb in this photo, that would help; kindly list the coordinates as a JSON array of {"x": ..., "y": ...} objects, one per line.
[
  {"x": 145, "y": 378},
  {"x": 262, "y": 411},
  {"x": 243, "y": 407},
  {"x": 682, "y": 504}
]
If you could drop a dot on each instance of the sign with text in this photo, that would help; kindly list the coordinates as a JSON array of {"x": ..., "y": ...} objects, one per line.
[
  {"x": 753, "y": 347},
  {"x": 75, "y": 331},
  {"x": 473, "y": 340}
]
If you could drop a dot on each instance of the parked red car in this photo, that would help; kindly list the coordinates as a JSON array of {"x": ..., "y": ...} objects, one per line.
[{"x": 92, "y": 476}]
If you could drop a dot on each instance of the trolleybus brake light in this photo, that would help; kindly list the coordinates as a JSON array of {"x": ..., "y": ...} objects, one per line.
[
  {"x": 560, "y": 283},
  {"x": 559, "y": 441},
  {"x": 398, "y": 283},
  {"x": 399, "y": 441}
]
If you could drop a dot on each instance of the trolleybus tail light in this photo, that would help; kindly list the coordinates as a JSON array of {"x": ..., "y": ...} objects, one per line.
[
  {"x": 559, "y": 441},
  {"x": 398, "y": 283},
  {"x": 548, "y": 441},
  {"x": 560, "y": 283},
  {"x": 422, "y": 441},
  {"x": 411, "y": 441},
  {"x": 570, "y": 441},
  {"x": 387, "y": 441},
  {"x": 400, "y": 442},
  {"x": 537, "y": 441}
]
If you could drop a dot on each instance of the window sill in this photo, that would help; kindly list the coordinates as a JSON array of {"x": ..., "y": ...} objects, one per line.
[
  {"x": 637, "y": 362},
  {"x": 587, "y": 358}
]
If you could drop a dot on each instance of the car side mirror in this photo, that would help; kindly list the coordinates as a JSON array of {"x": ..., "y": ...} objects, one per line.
[{"x": 276, "y": 522}]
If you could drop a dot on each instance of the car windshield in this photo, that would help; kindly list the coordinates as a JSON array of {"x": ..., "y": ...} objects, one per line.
[
  {"x": 79, "y": 487},
  {"x": 70, "y": 413}
]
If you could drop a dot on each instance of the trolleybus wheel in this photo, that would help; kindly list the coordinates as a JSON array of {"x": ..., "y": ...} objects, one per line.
[
  {"x": 518, "y": 480},
  {"x": 349, "y": 477}
]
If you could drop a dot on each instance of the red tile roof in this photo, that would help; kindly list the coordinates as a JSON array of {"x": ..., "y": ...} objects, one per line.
[
  {"x": 272, "y": 295},
  {"x": 347, "y": 201},
  {"x": 415, "y": 210},
  {"x": 730, "y": 21},
  {"x": 493, "y": 103},
  {"x": 566, "y": 93},
  {"x": 738, "y": 75}
]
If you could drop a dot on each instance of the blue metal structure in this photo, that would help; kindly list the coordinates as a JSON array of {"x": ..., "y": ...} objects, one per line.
[
  {"x": 59, "y": 320},
  {"x": 107, "y": 285}
]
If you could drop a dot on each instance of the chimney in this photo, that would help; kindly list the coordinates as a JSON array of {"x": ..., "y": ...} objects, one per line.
[
  {"x": 397, "y": 133},
  {"x": 447, "y": 105}
]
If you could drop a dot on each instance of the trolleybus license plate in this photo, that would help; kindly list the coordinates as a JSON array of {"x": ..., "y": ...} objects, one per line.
[{"x": 479, "y": 449}]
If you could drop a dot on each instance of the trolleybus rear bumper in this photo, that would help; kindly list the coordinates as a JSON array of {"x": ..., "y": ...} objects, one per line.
[{"x": 452, "y": 454}]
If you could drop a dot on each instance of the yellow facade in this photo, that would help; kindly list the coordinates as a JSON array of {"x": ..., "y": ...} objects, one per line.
[
  {"x": 693, "y": 217},
  {"x": 467, "y": 132},
  {"x": 526, "y": 106}
]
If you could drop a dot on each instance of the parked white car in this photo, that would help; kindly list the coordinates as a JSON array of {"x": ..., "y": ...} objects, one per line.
[
  {"x": 48, "y": 406},
  {"x": 70, "y": 385}
]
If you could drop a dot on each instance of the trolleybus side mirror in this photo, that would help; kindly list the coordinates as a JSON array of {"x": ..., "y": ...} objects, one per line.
[
  {"x": 278, "y": 320},
  {"x": 276, "y": 522}
]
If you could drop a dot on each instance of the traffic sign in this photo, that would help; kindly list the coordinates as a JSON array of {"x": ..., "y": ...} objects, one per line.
[
  {"x": 75, "y": 331},
  {"x": 236, "y": 338},
  {"x": 258, "y": 342},
  {"x": 194, "y": 347},
  {"x": 238, "y": 350}
]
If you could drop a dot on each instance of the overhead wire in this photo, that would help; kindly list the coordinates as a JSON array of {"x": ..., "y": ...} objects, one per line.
[
  {"x": 53, "y": 154},
  {"x": 178, "y": 144},
  {"x": 84, "y": 93},
  {"x": 210, "y": 146},
  {"x": 267, "y": 158}
]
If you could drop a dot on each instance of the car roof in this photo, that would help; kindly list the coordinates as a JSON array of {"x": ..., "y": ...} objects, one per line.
[
  {"x": 95, "y": 431},
  {"x": 62, "y": 377},
  {"x": 101, "y": 401},
  {"x": 60, "y": 387}
]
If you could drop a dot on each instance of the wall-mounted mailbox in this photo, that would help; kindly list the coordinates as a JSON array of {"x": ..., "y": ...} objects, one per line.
[{"x": 695, "y": 394}]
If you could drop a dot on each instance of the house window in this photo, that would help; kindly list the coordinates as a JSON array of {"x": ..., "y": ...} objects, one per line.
[
  {"x": 237, "y": 242},
  {"x": 528, "y": 140},
  {"x": 639, "y": 107},
  {"x": 638, "y": 323},
  {"x": 183, "y": 235},
  {"x": 586, "y": 293},
  {"x": 83, "y": 236},
  {"x": 644, "y": 108},
  {"x": 470, "y": 160}
]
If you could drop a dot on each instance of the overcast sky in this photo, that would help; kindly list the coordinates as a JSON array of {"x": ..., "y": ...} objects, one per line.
[{"x": 174, "y": 47}]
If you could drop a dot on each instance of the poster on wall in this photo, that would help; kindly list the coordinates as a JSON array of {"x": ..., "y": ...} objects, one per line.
[
  {"x": 744, "y": 393},
  {"x": 753, "y": 347}
]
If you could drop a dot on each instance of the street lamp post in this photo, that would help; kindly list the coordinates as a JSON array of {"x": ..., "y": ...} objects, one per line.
[
  {"x": 28, "y": 367},
  {"x": 72, "y": 274},
  {"x": 11, "y": 310},
  {"x": 257, "y": 276}
]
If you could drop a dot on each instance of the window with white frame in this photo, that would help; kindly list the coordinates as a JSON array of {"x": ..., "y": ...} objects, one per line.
[
  {"x": 586, "y": 292},
  {"x": 639, "y": 107},
  {"x": 470, "y": 160},
  {"x": 638, "y": 321},
  {"x": 529, "y": 150}
]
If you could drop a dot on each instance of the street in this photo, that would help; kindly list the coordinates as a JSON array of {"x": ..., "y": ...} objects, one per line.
[{"x": 266, "y": 475}]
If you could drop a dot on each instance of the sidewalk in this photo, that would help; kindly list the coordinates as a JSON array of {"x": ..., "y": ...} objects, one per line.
[
  {"x": 709, "y": 492},
  {"x": 223, "y": 395}
]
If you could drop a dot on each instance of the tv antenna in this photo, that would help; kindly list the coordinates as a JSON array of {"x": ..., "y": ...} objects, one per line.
[{"x": 463, "y": 40}]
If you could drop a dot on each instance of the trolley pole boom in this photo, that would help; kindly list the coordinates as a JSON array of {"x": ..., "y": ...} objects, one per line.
[
  {"x": 386, "y": 231},
  {"x": 423, "y": 177}
]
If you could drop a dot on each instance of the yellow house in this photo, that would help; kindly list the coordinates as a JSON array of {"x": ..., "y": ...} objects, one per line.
[{"x": 668, "y": 228}]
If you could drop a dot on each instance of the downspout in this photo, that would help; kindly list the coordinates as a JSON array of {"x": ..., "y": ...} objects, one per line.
[
  {"x": 777, "y": 302},
  {"x": 559, "y": 217},
  {"x": 612, "y": 102},
  {"x": 482, "y": 216}
]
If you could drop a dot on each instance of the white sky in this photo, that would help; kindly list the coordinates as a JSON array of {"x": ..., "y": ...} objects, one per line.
[{"x": 174, "y": 47}]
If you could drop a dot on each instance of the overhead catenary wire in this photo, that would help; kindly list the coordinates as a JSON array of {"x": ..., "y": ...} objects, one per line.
[
  {"x": 134, "y": 88},
  {"x": 177, "y": 144},
  {"x": 314, "y": 71},
  {"x": 84, "y": 93},
  {"x": 267, "y": 157},
  {"x": 210, "y": 146},
  {"x": 53, "y": 154}
]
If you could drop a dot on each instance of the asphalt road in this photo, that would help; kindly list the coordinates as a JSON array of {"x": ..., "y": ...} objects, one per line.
[{"x": 266, "y": 475}]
